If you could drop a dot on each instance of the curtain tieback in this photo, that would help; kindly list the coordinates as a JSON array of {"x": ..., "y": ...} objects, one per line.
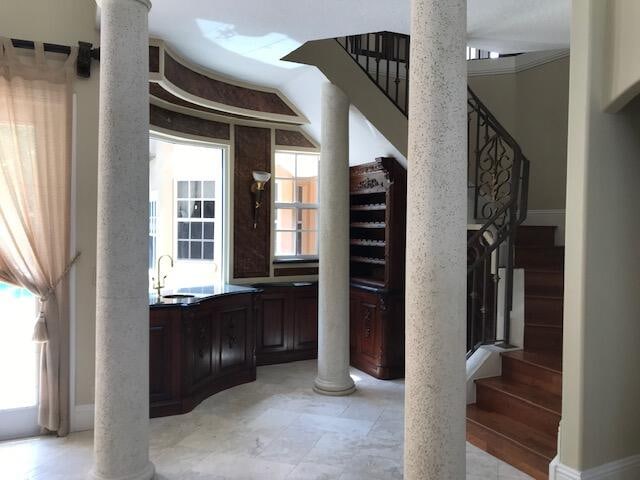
[{"x": 40, "y": 333}]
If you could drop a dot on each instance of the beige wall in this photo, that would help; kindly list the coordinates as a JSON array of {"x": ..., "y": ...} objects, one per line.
[
  {"x": 532, "y": 106},
  {"x": 601, "y": 386},
  {"x": 67, "y": 22}
]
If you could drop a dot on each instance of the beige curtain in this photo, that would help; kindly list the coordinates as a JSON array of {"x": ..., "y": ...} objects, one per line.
[{"x": 35, "y": 182}]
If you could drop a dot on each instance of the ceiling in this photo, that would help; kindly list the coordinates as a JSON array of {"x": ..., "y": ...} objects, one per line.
[{"x": 245, "y": 39}]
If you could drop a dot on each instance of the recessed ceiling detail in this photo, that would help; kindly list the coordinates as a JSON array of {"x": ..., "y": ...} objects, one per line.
[{"x": 191, "y": 85}]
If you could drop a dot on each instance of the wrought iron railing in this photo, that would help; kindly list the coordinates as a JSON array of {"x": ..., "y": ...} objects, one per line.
[
  {"x": 498, "y": 184},
  {"x": 384, "y": 56}
]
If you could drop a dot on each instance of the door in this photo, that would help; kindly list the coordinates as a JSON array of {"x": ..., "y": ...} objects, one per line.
[{"x": 18, "y": 363}]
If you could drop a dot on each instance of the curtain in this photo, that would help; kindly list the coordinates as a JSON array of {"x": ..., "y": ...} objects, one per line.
[{"x": 35, "y": 182}]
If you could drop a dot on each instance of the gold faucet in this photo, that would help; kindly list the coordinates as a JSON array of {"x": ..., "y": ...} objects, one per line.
[{"x": 159, "y": 286}]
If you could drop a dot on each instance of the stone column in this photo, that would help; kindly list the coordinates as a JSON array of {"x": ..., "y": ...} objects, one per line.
[
  {"x": 121, "y": 437},
  {"x": 436, "y": 243},
  {"x": 333, "y": 295}
]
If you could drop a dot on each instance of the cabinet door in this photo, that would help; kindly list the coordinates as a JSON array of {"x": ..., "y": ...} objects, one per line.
[
  {"x": 164, "y": 365},
  {"x": 273, "y": 323},
  {"x": 367, "y": 334},
  {"x": 306, "y": 320},
  {"x": 200, "y": 341},
  {"x": 233, "y": 339}
]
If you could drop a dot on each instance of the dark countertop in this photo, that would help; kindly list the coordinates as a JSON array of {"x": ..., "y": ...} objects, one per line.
[
  {"x": 284, "y": 284},
  {"x": 200, "y": 294}
]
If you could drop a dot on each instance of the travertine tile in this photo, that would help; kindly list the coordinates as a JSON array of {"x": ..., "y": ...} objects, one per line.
[{"x": 274, "y": 428}]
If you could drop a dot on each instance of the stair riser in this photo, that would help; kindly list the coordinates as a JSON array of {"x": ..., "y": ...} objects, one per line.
[
  {"x": 536, "y": 237},
  {"x": 545, "y": 311},
  {"x": 543, "y": 282},
  {"x": 542, "y": 338},
  {"x": 523, "y": 372},
  {"x": 497, "y": 445},
  {"x": 532, "y": 415},
  {"x": 539, "y": 258}
]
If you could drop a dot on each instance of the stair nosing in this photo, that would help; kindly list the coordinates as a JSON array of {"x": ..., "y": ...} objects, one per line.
[
  {"x": 546, "y": 297},
  {"x": 511, "y": 439},
  {"x": 543, "y": 325},
  {"x": 530, "y": 362},
  {"x": 518, "y": 397}
]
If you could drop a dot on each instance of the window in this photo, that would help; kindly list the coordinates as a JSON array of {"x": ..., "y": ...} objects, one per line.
[
  {"x": 196, "y": 211},
  {"x": 187, "y": 183},
  {"x": 18, "y": 353},
  {"x": 296, "y": 202},
  {"x": 153, "y": 232}
]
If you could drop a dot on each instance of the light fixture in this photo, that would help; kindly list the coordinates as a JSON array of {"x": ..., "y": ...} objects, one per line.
[{"x": 260, "y": 179}]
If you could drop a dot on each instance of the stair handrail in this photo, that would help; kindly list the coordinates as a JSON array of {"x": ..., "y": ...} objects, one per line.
[{"x": 503, "y": 185}]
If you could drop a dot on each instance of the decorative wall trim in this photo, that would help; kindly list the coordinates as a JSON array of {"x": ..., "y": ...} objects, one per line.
[
  {"x": 82, "y": 417},
  {"x": 623, "y": 469},
  {"x": 548, "y": 217},
  {"x": 200, "y": 86},
  {"x": 515, "y": 64}
]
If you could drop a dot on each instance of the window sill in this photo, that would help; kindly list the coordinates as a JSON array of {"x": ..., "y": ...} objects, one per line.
[{"x": 293, "y": 260}]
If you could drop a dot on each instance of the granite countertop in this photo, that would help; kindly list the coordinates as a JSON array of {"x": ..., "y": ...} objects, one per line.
[{"x": 199, "y": 294}]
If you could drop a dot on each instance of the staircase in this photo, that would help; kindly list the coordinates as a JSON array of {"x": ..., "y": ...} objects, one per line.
[{"x": 516, "y": 415}]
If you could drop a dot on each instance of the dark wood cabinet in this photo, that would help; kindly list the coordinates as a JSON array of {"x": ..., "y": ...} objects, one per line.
[
  {"x": 377, "y": 263},
  {"x": 198, "y": 350},
  {"x": 287, "y": 322},
  {"x": 164, "y": 350},
  {"x": 377, "y": 332}
]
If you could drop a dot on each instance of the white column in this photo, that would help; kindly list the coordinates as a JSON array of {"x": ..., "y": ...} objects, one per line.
[
  {"x": 122, "y": 311},
  {"x": 436, "y": 243},
  {"x": 333, "y": 295}
]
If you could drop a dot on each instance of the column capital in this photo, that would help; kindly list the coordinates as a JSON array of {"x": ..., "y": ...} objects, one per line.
[{"x": 146, "y": 3}]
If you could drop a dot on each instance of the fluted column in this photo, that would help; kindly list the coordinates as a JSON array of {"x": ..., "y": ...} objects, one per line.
[
  {"x": 122, "y": 311},
  {"x": 436, "y": 243},
  {"x": 333, "y": 294}
]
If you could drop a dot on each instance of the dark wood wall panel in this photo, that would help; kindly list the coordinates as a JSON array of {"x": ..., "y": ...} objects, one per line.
[
  {"x": 158, "y": 91},
  {"x": 291, "y": 271},
  {"x": 181, "y": 123},
  {"x": 217, "y": 91},
  {"x": 154, "y": 59},
  {"x": 251, "y": 247},
  {"x": 291, "y": 138}
]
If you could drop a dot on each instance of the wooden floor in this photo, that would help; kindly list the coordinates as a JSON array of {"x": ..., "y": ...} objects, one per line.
[{"x": 516, "y": 415}]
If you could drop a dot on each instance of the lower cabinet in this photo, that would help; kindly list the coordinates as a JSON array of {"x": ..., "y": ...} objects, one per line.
[
  {"x": 377, "y": 332},
  {"x": 287, "y": 322},
  {"x": 198, "y": 350}
]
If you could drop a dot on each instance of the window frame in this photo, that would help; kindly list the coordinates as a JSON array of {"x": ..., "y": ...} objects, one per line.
[{"x": 298, "y": 207}]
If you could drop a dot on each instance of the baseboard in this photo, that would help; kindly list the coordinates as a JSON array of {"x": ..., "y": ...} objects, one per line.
[
  {"x": 624, "y": 469},
  {"x": 82, "y": 418},
  {"x": 554, "y": 218}
]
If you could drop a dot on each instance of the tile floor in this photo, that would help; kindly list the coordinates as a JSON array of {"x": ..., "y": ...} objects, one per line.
[{"x": 274, "y": 428}]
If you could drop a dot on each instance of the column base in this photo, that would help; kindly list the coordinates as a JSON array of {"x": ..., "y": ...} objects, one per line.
[
  {"x": 147, "y": 473},
  {"x": 332, "y": 389}
]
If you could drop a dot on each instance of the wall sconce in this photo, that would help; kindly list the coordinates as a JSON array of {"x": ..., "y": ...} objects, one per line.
[{"x": 260, "y": 179}]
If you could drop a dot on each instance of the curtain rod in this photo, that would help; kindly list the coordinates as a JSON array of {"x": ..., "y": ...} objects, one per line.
[{"x": 86, "y": 53}]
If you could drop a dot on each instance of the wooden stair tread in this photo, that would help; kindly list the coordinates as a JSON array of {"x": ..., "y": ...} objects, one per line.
[
  {"x": 525, "y": 436},
  {"x": 543, "y": 359},
  {"x": 532, "y": 395}
]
